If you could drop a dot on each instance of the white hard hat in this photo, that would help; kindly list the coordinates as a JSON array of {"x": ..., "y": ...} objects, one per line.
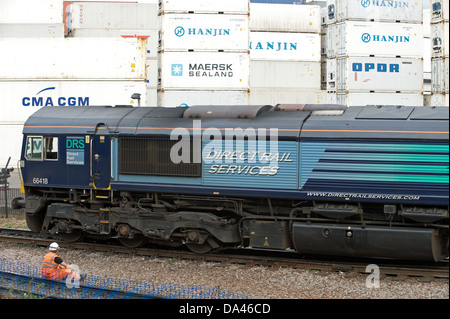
[{"x": 53, "y": 246}]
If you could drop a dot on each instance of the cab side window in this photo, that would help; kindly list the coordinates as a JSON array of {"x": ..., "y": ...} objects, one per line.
[
  {"x": 41, "y": 148},
  {"x": 51, "y": 148},
  {"x": 34, "y": 148}
]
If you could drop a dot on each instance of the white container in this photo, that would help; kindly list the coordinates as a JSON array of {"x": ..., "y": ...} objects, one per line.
[
  {"x": 427, "y": 55},
  {"x": 73, "y": 58},
  {"x": 439, "y": 10},
  {"x": 204, "y": 70},
  {"x": 426, "y": 23},
  {"x": 10, "y": 143},
  {"x": 440, "y": 99},
  {"x": 274, "y": 96},
  {"x": 38, "y": 30},
  {"x": 285, "y": 74},
  {"x": 150, "y": 36},
  {"x": 177, "y": 98},
  {"x": 98, "y": 15},
  {"x": 204, "y": 6},
  {"x": 440, "y": 75},
  {"x": 324, "y": 43},
  {"x": 20, "y": 99},
  {"x": 35, "y": 11},
  {"x": 285, "y": 46},
  {"x": 440, "y": 39},
  {"x": 284, "y": 18},
  {"x": 376, "y": 74},
  {"x": 204, "y": 32},
  {"x": 378, "y": 98},
  {"x": 386, "y": 39},
  {"x": 379, "y": 10},
  {"x": 152, "y": 66}
]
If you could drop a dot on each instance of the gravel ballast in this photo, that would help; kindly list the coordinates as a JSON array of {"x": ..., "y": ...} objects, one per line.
[{"x": 254, "y": 282}]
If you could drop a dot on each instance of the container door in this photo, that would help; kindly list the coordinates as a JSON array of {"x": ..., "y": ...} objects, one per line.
[{"x": 101, "y": 161}]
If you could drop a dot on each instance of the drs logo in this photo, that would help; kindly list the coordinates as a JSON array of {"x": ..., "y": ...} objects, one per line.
[{"x": 75, "y": 143}]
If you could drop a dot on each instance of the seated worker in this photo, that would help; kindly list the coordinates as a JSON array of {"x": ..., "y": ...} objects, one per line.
[{"x": 53, "y": 267}]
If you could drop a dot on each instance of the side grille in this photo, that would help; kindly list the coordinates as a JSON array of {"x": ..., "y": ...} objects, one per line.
[{"x": 151, "y": 156}]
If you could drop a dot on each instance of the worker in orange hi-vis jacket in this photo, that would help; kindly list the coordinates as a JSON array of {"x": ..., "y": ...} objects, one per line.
[{"x": 53, "y": 267}]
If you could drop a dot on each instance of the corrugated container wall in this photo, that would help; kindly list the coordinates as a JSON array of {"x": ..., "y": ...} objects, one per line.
[
  {"x": 284, "y": 46},
  {"x": 73, "y": 58},
  {"x": 211, "y": 97},
  {"x": 31, "y": 30},
  {"x": 285, "y": 74},
  {"x": 204, "y": 6},
  {"x": 113, "y": 16},
  {"x": 204, "y": 70},
  {"x": 284, "y": 18},
  {"x": 388, "y": 11},
  {"x": 204, "y": 32},
  {"x": 376, "y": 98},
  {"x": 35, "y": 11},
  {"x": 358, "y": 74},
  {"x": 359, "y": 38},
  {"x": 285, "y": 54}
]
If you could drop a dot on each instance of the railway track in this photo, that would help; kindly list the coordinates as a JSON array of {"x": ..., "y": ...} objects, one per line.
[{"x": 393, "y": 270}]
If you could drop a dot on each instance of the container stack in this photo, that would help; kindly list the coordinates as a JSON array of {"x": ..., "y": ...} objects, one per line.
[
  {"x": 21, "y": 19},
  {"x": 375, "y": 52},
  {"x": 285, "y": 54},
  {"x": 203, "y": 52},
  {"x": 426, "y": 57},
  {"x": 114, "y": 21},
  {"x": 439, "y": 53}
]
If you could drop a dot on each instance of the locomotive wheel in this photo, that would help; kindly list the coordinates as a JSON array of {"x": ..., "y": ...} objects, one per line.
[
  {"x": 137, "y": 241},
  {"x": 199, "y": 248},
  {"x": 75, "y": 235},
  {"x": 34, "y": 222}
]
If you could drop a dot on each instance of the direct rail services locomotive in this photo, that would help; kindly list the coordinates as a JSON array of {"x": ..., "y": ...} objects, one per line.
[{"x": 317, "y": 179}]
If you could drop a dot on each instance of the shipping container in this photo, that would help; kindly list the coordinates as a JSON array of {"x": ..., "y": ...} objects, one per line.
[
  {"x": 73, "y": 58},
  {"x": 285, "y": 18},
  {"x": 10, "y": 143},
  {"x": 381, "y": 10},
  {"x": 204, "y": 6},
  {"x": 20, "y": 99},
  {"x": 440, "y": 39},
  {"x": 385, "y": 39},
  {"x": 113, "y": 15},
  {"x": 427, "y": 55},
  {"x": 440, "y": 75},
  {"x": 377, "y": 99},
  {"x": 440, "y": 99},
  {"x": 439, "y": 10},
  {"x": 204, "y": 32},
  {"x": 285, "y": 46},
  {"x": 31, "y": 30},
  {"x": 285, "y": 74},
  {"x": 151, "y": 37},
  {"x": 426, "y": 23},
  {"x": 174, "y": 98},
  {"x": 375, "y": 74},
  {"x": 204, "y": 70},
  {"x": 274, "y": 96},
  {"x": 35, "y": 11},
  {"x": 152, "y": 66}
]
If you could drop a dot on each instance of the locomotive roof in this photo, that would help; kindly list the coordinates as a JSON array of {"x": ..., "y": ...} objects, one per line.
[{"x": 313, "y": 121}]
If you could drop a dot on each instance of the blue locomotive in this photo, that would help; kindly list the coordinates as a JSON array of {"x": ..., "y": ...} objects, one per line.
[{"x": 318, "y": 179}]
